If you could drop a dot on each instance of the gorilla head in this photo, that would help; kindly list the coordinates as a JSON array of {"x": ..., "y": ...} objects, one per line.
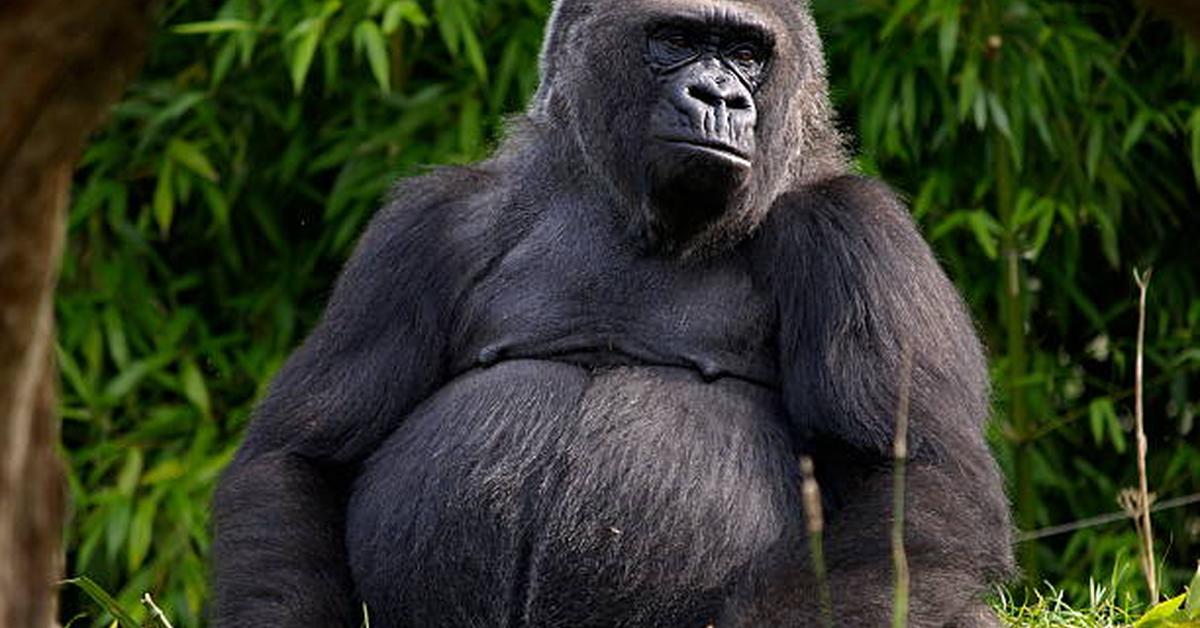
[{"x": 709, "y": 109}]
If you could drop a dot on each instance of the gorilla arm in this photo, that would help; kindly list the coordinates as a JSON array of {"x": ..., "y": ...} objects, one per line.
[
  {"x": 279, "y": 555},
  {"x": 858, "y": 289}
]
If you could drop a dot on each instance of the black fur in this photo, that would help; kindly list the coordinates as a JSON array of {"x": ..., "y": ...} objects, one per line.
[{"x": 546, "y": 393}]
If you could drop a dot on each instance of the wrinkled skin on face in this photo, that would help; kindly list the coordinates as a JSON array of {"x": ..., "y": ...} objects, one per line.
[
  {"x": 710, "y": 111},
  {"x": 701, "y": 147}
]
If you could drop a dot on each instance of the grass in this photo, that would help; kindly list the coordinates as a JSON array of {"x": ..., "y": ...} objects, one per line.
[
  {"x": 1049, "y": 609},
  {"x": 1105, "y": 609}
]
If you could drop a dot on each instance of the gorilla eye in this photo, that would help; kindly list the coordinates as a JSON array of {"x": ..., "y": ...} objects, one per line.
[
  {"x": 671, "y": 46},
  {"x": 745, "y": 55}
]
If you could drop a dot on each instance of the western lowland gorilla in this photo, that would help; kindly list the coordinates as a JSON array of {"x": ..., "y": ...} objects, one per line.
[{"x": 569, "y": 385}]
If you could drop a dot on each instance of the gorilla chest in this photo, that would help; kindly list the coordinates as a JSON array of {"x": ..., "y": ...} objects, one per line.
[
  {"x": 611, "y": 453},
  {"x": 569, "y": 299}
]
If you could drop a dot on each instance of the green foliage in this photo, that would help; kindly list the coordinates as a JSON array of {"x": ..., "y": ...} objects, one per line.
[
  {"x": 1043, "y": 611},
  {"x": 209, "y": 219},
  {"x": 1053, "y": 611},
  {"x": 1101, "y": 609},
  {"x": 104, "y": 600},
  {"x": 1046, "y": 147},
  {"x": 1182, "y": 610}
]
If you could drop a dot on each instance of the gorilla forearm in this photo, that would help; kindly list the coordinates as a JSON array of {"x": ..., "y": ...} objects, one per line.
[
  {"x": 956, "y": 540},
  {"x": 280, "y": 556},
  {"x": 868, "y": 316},
  {"x": 956, "y": 545}
]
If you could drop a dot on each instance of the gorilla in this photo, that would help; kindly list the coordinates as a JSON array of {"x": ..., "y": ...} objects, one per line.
[{"x": 570, "y": 385}]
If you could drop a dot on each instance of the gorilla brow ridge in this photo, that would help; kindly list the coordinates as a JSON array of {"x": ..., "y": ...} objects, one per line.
[{"x": 732, "y": 22}]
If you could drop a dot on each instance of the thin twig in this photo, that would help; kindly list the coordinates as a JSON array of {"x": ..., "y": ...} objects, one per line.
[
  {"x": 1145, "y": 532},
  {"x": 1107, "y": 518},
  {"x": 155, "y": 612},
  {"x": 899, "y": 463},
  {"x": 810, "y": 493}
]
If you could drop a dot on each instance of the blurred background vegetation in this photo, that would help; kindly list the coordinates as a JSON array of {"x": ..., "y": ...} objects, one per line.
[{"x": 1048, "y": 148}]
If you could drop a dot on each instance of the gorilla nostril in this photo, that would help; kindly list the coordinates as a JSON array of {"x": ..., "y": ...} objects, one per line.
[
  {"x": 704, "y": 95},
  {"x": 738, "y": 102}
]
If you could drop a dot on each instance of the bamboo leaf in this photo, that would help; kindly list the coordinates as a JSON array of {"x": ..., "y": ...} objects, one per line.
[
  {"x": 164, "y": 198},
  {"x": 999, "y": 116},
  {"x": 214, "y": 26},
  {"x": 114, "y": 334},
  {"x": 1136, "y": 130},
  {"x": 307, "y": 35},
  {"x": 371, "y": 38},
  {"x": 986, "y": 230},
  {"x": 1193, "y": 599},
  {"x": 106, "y": 601},
  {"x": 404, "y": 11},
  {"x": 194, "y": 387},
  {"x": 191, "y": 157},
  {"x": 902, "y": 9},
  {"x": 141, "y": 532},
  {"x": 1095, "y": 146},
  {"x": 475, "y": 54},
  {"x": 948, "y": 35},
  {"x": 124, "y": 383},
  {"x": 1195, "y": 124},
  {"x": 1160, "y": 614},
  {"x": 73, "y": 374}
]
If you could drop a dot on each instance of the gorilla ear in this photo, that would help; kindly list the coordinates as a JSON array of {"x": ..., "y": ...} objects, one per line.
[{"x": 565, "y": 17}]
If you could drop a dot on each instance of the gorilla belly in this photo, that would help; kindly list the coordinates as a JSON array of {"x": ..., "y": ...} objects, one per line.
[{"x": 544, "y": 494}]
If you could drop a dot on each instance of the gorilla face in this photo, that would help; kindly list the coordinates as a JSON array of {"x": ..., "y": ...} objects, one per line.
[
  {"x": 694, "y": 115},
  {"x": 701, "y": 145}
]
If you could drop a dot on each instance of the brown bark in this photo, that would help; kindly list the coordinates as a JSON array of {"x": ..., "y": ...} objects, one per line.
[
  {"x": 1185, "y": 12},
  {"x": 62, "y": 64}
]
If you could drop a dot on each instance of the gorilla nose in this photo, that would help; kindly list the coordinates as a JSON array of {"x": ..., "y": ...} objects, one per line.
[{"x": 717, "y": 90}]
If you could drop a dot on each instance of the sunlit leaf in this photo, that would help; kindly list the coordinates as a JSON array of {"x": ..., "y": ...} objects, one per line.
[
  {"x": 1161, "y": 614},
  {"x": 106, "y": 602},
  {"x": 194, "y": 387},
  {"x": 403, "y": 11},
  {"x": 191, "y": 157},
  {"x": 213, "y": 26},
  {"x": 948, "y": 35},
  {"x": 164, "y": 198},
  {"x": 141, "y": 531},
  {"x": 307, "y": 35},
  {"x": 1193, "y": 598},
  {"x": 367, "y": 34},
  {"x": 999, "y": 116},
  {"x": 123, "y": 383}
]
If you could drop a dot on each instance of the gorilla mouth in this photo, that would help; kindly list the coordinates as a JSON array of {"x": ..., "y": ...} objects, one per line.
[{"x": 719, "y": 149}]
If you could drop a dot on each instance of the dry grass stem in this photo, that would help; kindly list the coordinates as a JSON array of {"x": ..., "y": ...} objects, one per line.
[
  {"x": 810, "y": 493},
  {"x": 1145, "y": 533},
  {"x": 156, "y": 613},
  {"x": 899, "y": 464}
]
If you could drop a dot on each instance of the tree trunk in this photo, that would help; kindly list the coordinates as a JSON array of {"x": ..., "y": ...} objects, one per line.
[
  {"x": 62, "y": 64},
  {"x": 1185, "y": 12}
]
